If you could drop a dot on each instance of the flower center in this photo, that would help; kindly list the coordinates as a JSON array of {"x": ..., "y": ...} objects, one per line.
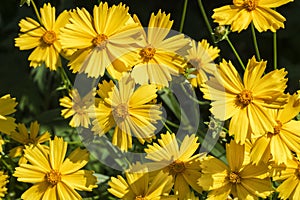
[
  {"x": 100, "y": 41},
  {"x": 120, "y": 112},
  {"x": 147, "y": 53},
  {"x": 176, "y": 167},
  {"x": 53, "y": 177},
  {"x": 140, "y": 197},
  {"x": 49, "y": 37},
  {"x": 234, "y": 177},
  {"x": 250, "y": 4},
  {"x": 245, "y": 97},
  {"x": 277, "y": 128}
]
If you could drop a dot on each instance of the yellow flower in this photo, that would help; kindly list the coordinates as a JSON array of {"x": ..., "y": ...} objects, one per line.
[
  {"x": 78, "y": 108},
  {"x": 43, "y": 37},
  {"x": 284, "y": 138},
  {"x": 7, "y": 107},
  {"x": 2, "y": 142},
  {"x": 239, "y": 178},
  {"x": 130, "y": 110},
  {"x": 99, "y": 39},
  {"x": 201, "y": 57},
  {"x": 290, "y": 175},
  {"x": 27, "y": 138},
  {"x": 139, "y": 186},
  {"x": 247, "y": 103},
  {"x": 53, "y": 176},
  {"x": 157, "y": 53},
  {"x": 177, "y": 161},
  {"x": 243, "y": 12},
  {"x": 3, "y": 182}
]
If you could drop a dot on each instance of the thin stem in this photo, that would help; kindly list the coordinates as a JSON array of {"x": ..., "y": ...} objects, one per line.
[
  {"x": 65, "y": 78},
  {"x": 192, "y": 98},
  {"x": 255, "y": 42},
  {"x": 183, "y": 15},
  {"x": 166, "y": 126},
  {"x": 275, "y": 49},
  {"x": 235, "y": 53},
  {"x": 206, "y": 20},
  {"x": 36, "y": 11},
  {"x": 171, "y": 123}
]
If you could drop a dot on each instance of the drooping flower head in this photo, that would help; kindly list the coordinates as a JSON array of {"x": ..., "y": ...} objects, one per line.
[
  {"x": 43, "y": 37},
  {"x": 243, "y": 12},
  {"x": 7, "y": 107}
]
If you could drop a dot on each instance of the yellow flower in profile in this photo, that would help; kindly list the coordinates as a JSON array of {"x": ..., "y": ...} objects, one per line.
[
  {"x": 285, "y": 137},
  {"x": 157, "y": 53},
  {"x": 26, "y": 138},
  {"x": 78, "y": 108},
  {"x": 240, "y": 178},
  {"x": 201, "y": 57},
  {"x": 131, "y": 111},
  {"x": 43, "y": 37},
  {"x": 3, "y": 182},
  {"x": 289, "y": 174},
  {"x": 7, "y": 107},
  {"x": 178, "y": 161},
  {"x": 99, "y": 39},
  {"x": 2, "y": 142},
  {"x": 243, "y": 12},
  {"x": 140, "y": 186},
  {"x": 53, "y": 176},
  {"x": 249, "y": 102}
]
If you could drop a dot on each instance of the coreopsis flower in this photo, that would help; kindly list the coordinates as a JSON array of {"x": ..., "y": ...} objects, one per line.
[
  {"x": 239, "y": 178},
  {"x": 3, "y": 182},
  {"x": 99, "y": 39},
  {"x": 78, "y": 108},
  {"x": 201, "y": 57},
  {"x": 289, "y": 174},
  {"x": 284, "y": 138},
  {"x": 2, "y": 142},
  {"x": 43, "y": 37},
  {"x": 243, "y": 12},
  {"x": 178, "y": 161},
  {"x": 158, "y": 56},
  {"x": 53, "y": 176},
  {"x": 29, "y": 138},
  {"x": 139, "y": 185},
  {"x": 131, "y": 111},
  {"x": 248, "y": 103},
  {"x": 7, "y": 107}
]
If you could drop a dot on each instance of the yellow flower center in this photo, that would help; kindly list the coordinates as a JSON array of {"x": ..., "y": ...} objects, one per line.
[
  {"x": 234, "y": 177},
  {"x": 100, "y": 41},
  {"x": 147, "y": 53},
  {"x": 140, "y": 197},
  {"x": 120, "y": 112},
  {"x": 176, "y": 167},
  {"x": 245, "y": 97},
  {"x": 49, "y": 37},
  {"x": 250, "y": 4},
  {"x": 53, "y": 177}
]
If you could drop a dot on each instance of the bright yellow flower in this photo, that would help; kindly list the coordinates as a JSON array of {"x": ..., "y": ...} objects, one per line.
[
  {"x": 43, "y": 37},
  {"x": 53, "y": 176},
  {"x": 178, "y": 161},
  {"x": 78, "y": 108},
  {"x": 290, "y": 175},
  {"x": 284, "y": 138},
  {"x": 243, "y": 12},
  {"x": 1, "y": 143},
  {"x": 156, "y": 52},
  {"x": 3, "y": 182},
  {"x": 139, "y": 186},
  {"x": 129, "y": 110},
  {"x": 7, "y": 107},
  {"x": 239, "y": 178},
  {"x": 26, "y": 138},
  {"x": 201, "y": 57},
  {"x": 249, "y": 102},
  {"x": 99, "y": 39}
]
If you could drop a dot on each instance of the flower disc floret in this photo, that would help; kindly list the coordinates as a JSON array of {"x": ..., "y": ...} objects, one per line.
[{"x": 49, "y": 37}]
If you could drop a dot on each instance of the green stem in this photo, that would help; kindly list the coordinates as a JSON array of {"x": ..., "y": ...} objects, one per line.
[
  {"x": 235, "y": 53},
  {"x": 275, "y": 49},
  {"x": 171, "y": 123},
  {"x": 65, "y": 78},
  {"x": 192, "y": 98},
  {"x": 183, "y": 15},
  {"x": 255, "y": 42},
  {"x": 36, "y": 12},
  {"x": 206, "y": 20},
  {"x": 166, "y": 126}
]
